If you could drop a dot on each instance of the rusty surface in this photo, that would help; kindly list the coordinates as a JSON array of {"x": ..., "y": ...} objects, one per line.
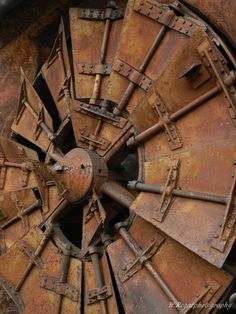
[
  {"x": 139, "y": 278},
  {"x": 117, "y": 191},
  {"x": 220, "y": 19}
]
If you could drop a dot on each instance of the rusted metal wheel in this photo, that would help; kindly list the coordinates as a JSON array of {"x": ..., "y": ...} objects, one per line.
[{"x": 117, "y": 189}]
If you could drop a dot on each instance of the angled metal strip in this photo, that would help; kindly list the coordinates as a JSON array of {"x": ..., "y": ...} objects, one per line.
[{"x": 160, "y": 13}]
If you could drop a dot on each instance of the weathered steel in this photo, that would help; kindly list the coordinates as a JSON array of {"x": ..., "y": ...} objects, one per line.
[
  {"x": 99, "y": 292},
  {"x": 151, "y": 41},
  {"x": 32, "y": 120},
  {"x": 128, "y": 206},
  {"x": 163, "y": 277},
  {"x": 40, "y": 269},
  {"x": 56, "y": 71}
]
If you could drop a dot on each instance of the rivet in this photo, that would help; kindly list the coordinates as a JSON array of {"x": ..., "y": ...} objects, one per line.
[{"x": 210, "y": 49}]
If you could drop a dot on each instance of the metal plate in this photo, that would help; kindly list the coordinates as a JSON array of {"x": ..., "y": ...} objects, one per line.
[
  {"x": 32, "y": 120},
  {"x": 57, "y": 74},
  {"x": 190, "y": 279},
  {"x": 53, "y": 277},
  {"x": 99, "y": 294},
  {"x": 91, "y": 47},
  {"x": 152, "y": 48}
]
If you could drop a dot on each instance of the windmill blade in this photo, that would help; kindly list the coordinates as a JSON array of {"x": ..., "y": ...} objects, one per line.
[
  {"x": 51, "y": 273},
  {"x": 99, "y": 295},
  {"x": 155, "y": 30},
  {"x": 164, "y": 275},
  {"x": 57, "y": 74},
  {"x": 177, "y": 129},
  {"x": 95, "y": 35},
  {"x": 32, "y": 120}
]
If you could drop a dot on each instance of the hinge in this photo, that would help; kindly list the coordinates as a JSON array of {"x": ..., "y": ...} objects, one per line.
[
  {"x": 15, "y": 296},
  {"x": 132, "y": 75},
  {"x": 86, "y": 68},
  {"x": 29, "y": 251},
  {"x": 173, "y": 136},
  {"x": 139, "y": 261},
  {"x": 98, "y": 294},
  {"x": 106, "y": 116},
  {"x": 160, "y": 13},
  {"x": 167, "y": 196},
  {"x": 20, "y": 212},
  {"x": 97, "y": 141},
  {"x": 64, "y": 289},
  {"x": 221, "y": 237},
  {"x": 196, "y": 74},
  {"x": 217, "y": 64},
  {"x": 108, "y": 13}
]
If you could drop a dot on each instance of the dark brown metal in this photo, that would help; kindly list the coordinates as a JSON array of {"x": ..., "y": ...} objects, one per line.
[{"x": 118, "y": 193}]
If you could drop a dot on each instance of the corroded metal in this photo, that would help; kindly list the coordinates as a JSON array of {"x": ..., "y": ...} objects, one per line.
[{"x": 122, "y": 197}]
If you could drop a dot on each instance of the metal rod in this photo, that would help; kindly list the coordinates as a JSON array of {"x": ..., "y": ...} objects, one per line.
[
  {"x": 131, "y": 87},
  {"x": 26, "y": 211},
  {"x": 153, "y": 130},
  {"x": 156, "y": 188},
  {"x": 137, "y": 251},
  {"x": 98, "y": 278},
  {"x": 98, "y": 77},
  {"x": 118, "y": 193},
  {"x": 31, "y": 263}
]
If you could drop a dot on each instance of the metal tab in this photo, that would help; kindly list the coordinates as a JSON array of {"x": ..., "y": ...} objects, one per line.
[
  {"x": 65, "y": 289},
  {"x": 173, "y": 136},
  {"x": 167, "y": 197},
  {"x": 95, "y": 295},
  {"x": 85, "y": 68},
  {"x": 132, "y": 75}
]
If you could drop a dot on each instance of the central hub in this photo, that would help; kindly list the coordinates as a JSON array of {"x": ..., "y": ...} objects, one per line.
[{"x": 79, "y": 172}]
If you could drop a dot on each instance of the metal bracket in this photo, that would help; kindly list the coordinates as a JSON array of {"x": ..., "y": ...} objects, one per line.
[
  {"x": 173, "y": 136},
  {"x": 221, "y": 238},
  {"x": 161, "y": 14},
  {"x": 97, "y": 141},
  {"x": 95, "y": 111},
  {"x": 95, "y": 295},
  {"x": 107, "y": 14},
  {"x": 95, "y": 207},
  {"x": 138, "y": 263},
  {"x": 64, "y": 289},
  {"x": 20, "y": 212},
  {"x": 216, "y": 64},
  {"x": 86, "y": 68},
  {"x": 11, "y": 291},
  {"x": 132, "y": 75},
  {"x": 196, "y": 74},
  {"x": 167, "y": 197},
  {"x": 29, "y": 251},
  {"x": 64, "y": 87}
]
